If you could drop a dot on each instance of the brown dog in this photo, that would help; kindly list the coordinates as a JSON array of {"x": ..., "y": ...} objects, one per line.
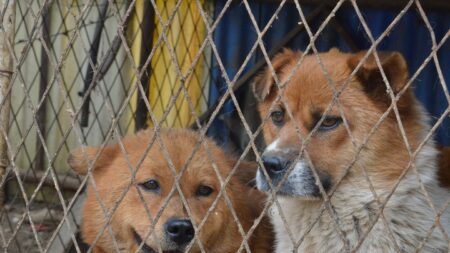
[
  {"x": 174, "y": 227},
  {"x": 338, "y": 164}
]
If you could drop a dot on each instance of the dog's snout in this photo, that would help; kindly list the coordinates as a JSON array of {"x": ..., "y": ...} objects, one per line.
[
  {"x": 275, "y": 164},
  {"x": 180, "y": 231}
]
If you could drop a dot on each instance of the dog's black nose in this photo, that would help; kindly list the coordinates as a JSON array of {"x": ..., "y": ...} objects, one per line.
[
  {"x": 274, "y": 164},
  {"x": 180, "y": 231}
]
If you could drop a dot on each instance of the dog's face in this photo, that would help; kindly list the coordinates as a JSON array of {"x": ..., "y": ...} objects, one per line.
[
  {"x": 155, "y": 186},
  {"x": 300, "y": 121}
]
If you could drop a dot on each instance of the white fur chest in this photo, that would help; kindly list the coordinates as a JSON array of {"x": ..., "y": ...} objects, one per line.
[{"x": 312, "y": 229}]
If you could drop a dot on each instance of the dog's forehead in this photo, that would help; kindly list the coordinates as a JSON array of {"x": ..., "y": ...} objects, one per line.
[
  {"x": 312, "y": 84},
  {"x": 178, "y": 157},
  {"x": 181, "y": 150}
]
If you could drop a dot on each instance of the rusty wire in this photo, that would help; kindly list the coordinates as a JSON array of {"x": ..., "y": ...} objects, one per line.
[{"x": 114, "y": 131}]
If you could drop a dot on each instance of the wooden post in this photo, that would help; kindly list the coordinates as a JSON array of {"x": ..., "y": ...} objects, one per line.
[
  {"x": 7, "y": 28},
  {"x": 41, "y": 113},
  {"x": 93, "y": 52},
  {"x": 147, "y": 29}
]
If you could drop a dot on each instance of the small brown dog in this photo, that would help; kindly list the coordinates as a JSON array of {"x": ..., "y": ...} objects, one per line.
[{"x": 174, "y": 228}]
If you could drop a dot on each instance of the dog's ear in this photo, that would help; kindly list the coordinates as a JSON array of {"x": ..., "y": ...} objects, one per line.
[
  {"x": 82, "y": 158},
  {"x": 394, "y": 66},
  {"x": 263, "y": 84}
]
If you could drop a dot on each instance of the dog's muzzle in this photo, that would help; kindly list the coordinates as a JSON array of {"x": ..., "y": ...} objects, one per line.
[
  {"x": 300, "y": 182},
  {"x": 178, "y": 233},
  {"x": 145, "y": 248}
]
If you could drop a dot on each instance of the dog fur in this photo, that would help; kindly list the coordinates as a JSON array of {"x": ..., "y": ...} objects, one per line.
[
  {"x": 444, "y": 166},
  {"x": 111, "y": 171},
  {"x": 384, "y": 158}
]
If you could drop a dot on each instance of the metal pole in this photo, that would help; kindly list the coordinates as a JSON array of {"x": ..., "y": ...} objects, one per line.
[
  {"x": 147, "y": 29},
  {"x": 41, "y": 113},
  {"x": 7, "y": 28},
  {"x": 89, "y": 77}
]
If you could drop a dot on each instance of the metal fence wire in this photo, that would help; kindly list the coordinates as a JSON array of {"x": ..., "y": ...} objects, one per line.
[{"x": 87, "y": 73}]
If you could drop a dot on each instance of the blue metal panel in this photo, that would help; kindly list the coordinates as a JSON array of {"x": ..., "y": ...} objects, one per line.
[
  {"x": 411, "y": 37},
  {"x": 232, "y": 37},
  {"x": 235, "y": 35}
]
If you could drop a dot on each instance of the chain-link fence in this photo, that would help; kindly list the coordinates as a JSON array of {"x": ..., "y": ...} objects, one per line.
[{"x": 356, "y": 166}]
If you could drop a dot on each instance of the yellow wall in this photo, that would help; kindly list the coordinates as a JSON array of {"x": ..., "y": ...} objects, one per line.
[{"x": 185, "y": 34}]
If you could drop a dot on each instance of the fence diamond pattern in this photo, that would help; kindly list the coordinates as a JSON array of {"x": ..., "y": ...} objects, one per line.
[{"x": 50, "y": 56}]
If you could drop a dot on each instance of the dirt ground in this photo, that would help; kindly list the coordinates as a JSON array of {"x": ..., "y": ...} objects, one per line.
[{"x": 22, "y": 239}]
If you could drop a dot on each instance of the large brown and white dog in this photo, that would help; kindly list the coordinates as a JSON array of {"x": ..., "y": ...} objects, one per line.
[
  {"x": 407, "y": 215},
  {"x": 174, "y": 228}
]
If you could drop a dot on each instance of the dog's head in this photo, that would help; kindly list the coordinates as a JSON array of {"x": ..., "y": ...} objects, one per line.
[
  {"x": 298, "y": 119},
  {"x": 154, "y": 196}
]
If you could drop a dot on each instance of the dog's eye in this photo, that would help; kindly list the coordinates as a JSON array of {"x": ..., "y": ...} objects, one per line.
[
  {"x": 277, "y": 117},
  {"x": 150, "y": 185},
  {"x": 330, "y": 123},
  {"x": 204, "y": 191}
]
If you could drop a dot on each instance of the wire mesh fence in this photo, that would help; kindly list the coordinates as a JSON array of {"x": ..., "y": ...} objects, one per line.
[{"x": 346, "y": 155}]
